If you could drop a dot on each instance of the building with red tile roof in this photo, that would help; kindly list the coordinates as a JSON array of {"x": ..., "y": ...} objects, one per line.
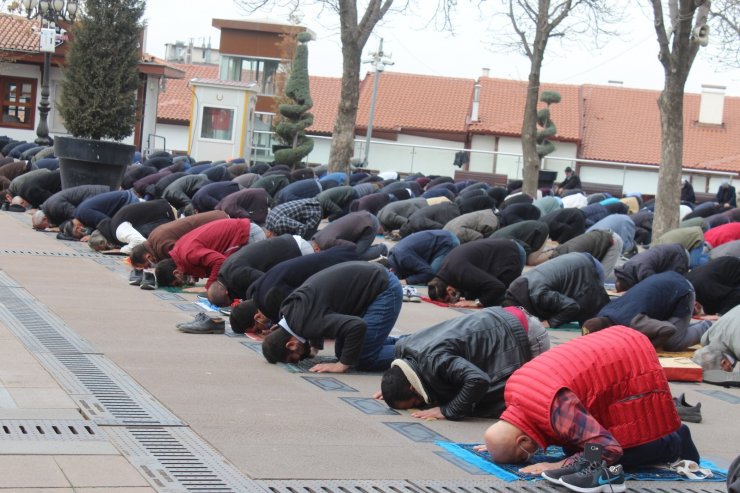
[
  {"x": 20, "y": 82},
  {"x": 597, "y": 125}
]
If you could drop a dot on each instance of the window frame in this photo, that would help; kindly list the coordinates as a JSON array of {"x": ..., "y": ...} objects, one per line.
[
  {"x": 234, "y": 111},
  {"x": 5, "y": 81}
]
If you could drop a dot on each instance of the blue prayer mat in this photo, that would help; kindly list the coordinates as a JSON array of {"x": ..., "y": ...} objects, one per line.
[{"x": 510, "y": 472}]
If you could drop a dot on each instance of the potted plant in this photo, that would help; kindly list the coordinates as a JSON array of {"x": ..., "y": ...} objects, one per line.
[{"x": 98, "y": 101}]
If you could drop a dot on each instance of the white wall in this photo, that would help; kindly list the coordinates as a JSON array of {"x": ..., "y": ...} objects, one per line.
[
  {"x": 403, "y": 155},
  {"x": 508, "y": 161},
  {"x": 176, "y": 136},
  {"x": 149, "y": 116}
]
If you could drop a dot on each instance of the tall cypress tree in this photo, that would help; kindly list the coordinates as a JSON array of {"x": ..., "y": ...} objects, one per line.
[
  {"x": 101, "y": 75},
  {"x": 295, "y": 117}
]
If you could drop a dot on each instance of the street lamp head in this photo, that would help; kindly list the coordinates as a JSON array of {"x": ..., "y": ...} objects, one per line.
[
  {"x": 43, "y": 6},
  {"x": 58, "y": 5},
  {"x": 72, "y": 9}
]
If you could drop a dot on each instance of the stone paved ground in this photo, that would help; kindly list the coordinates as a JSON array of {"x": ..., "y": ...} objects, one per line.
[{"x": 266, "y": 422}]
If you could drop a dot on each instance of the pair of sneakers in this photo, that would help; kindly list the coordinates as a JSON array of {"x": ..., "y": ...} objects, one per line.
[
  {"x": 588, "y": 477},
  {"x": 142, "y": 278},
  {"x": 410, "y": 294}
]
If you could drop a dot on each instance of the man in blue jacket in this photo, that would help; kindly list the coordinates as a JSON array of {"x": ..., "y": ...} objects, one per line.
[
  {"x": 418, "y": 257},
  {"x": 660, "y": 307}
]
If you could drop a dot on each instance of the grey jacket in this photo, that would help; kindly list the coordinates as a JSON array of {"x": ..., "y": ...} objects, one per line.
[
  {"x": 561, "y": 290},
  {"x": 180, "y": 192},
  {"x": 473, "y": 225},
  {"x": 659, "y": 258},
  {"x": 396, "y": 214}
]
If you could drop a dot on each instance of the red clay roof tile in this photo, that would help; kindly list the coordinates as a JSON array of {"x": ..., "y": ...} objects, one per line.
[
  {"x": 18, "y": 34},
  {"x": 501, "y": 109},
  {"x": 175, "y": 102},
  {"x": 624, "y": 125},
  {"x": 416, "y": 102}
]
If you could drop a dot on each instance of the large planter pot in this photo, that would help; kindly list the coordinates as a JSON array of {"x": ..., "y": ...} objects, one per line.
[{"x": 92, "y": 162}]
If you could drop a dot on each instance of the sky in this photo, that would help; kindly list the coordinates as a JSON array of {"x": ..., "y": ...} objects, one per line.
[{"x": 417, "y": 47}]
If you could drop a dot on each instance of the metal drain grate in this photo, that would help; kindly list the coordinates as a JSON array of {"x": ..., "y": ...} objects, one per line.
[
  {"x": 39, "y": 330},
  {"x": 497, "y": 486},
  {"x": 339, "y": 486},
  {"x": 39, "y": 253},
  {"x": 105, "y": 393},
  {"x": 49, "y": 430},
  {"x": 176, "y": 459}
]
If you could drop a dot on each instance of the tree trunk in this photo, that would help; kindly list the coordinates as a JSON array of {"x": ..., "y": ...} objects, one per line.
[
  {"x": 668, "y": 196},
  {"x": 343, "y": 138},
  {"x": 531, "y": 168}
]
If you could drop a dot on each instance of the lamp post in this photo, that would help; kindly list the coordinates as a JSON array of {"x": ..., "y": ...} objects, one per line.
[
  {"x": 50, "y": 12},
  {"x": 379, "y": 61}
]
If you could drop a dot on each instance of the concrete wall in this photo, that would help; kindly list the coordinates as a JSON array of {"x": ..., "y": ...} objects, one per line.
[
  {"x": 403, "y": 155},
  {"x": 176, "y": 136},
  {"x": 508, "y": 161}
]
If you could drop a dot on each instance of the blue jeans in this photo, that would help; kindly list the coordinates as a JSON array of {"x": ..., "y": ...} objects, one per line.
[
  {"x": 378, "y": 349},
  {"x": 698, "y": 257},
  {"x": 132, "y": 197}
]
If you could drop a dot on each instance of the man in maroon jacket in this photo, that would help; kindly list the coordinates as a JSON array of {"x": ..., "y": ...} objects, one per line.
[{"x": 201, "y": 252}]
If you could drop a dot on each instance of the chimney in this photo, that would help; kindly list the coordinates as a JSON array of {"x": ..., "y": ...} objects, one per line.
[
  {"x": 486, "y": 72},
  {"x": 616, "y": 83},
  {"x": 476, "y": 103},
  {"x": 208, "y": 52},
  {"x": 712, "y": 104}
]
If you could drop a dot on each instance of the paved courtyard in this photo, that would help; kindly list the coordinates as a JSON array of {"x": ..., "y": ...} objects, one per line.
[{"x": 100, "y": 392}]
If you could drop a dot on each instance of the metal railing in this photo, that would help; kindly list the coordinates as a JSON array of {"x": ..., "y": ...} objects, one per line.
[{"x": 411, "y": 158}]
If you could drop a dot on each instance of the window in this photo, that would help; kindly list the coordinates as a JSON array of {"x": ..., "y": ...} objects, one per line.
[
  {"x": 18, "y": 102},
  {"x": 256, "y": 70},
  {"x": 218, "y": 123},
  {"x": 262, "y": 136}
]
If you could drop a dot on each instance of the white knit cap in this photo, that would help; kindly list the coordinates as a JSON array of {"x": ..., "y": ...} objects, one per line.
[{"x": 412, "y": 377}]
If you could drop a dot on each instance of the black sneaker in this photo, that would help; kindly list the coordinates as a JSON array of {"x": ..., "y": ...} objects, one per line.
[
  {"x": 149, "y": 281},
  {"x": 135, "y": 277},
  {"x": 688, "y": 413},
  {"x": 554, "y": 475},
  {"x": 215, "y": 325},
  {"x": 596, "y": 478}
]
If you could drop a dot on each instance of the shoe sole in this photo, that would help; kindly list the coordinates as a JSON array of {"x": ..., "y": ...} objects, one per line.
[
  {"x": 721, "y": 377},
  {"x": 605, "y": 488},
  {"x": 690, "y": 419},
  {"x": 552, "y": 480},
  {"x": 200, "y": 331}
]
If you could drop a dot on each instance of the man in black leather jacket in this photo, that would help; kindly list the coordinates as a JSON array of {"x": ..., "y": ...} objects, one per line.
[{"x": 460, "y": 366}]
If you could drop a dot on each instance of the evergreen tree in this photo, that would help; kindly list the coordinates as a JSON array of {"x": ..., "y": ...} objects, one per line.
[
  {"x": 295, "y": 117},
  {"x": 101, "y": 77},
  {"x": 547, "y": 127}
]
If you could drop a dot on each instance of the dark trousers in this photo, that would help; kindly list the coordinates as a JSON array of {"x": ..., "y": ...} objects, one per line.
[{"x": 670, "y": 448}]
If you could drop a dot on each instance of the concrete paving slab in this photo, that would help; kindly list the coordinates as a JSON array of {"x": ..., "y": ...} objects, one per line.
[
  {"x": 42, "y": 397},
  {"x": 101, "y": 471},
  {"x": 31, "y": 472}
]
